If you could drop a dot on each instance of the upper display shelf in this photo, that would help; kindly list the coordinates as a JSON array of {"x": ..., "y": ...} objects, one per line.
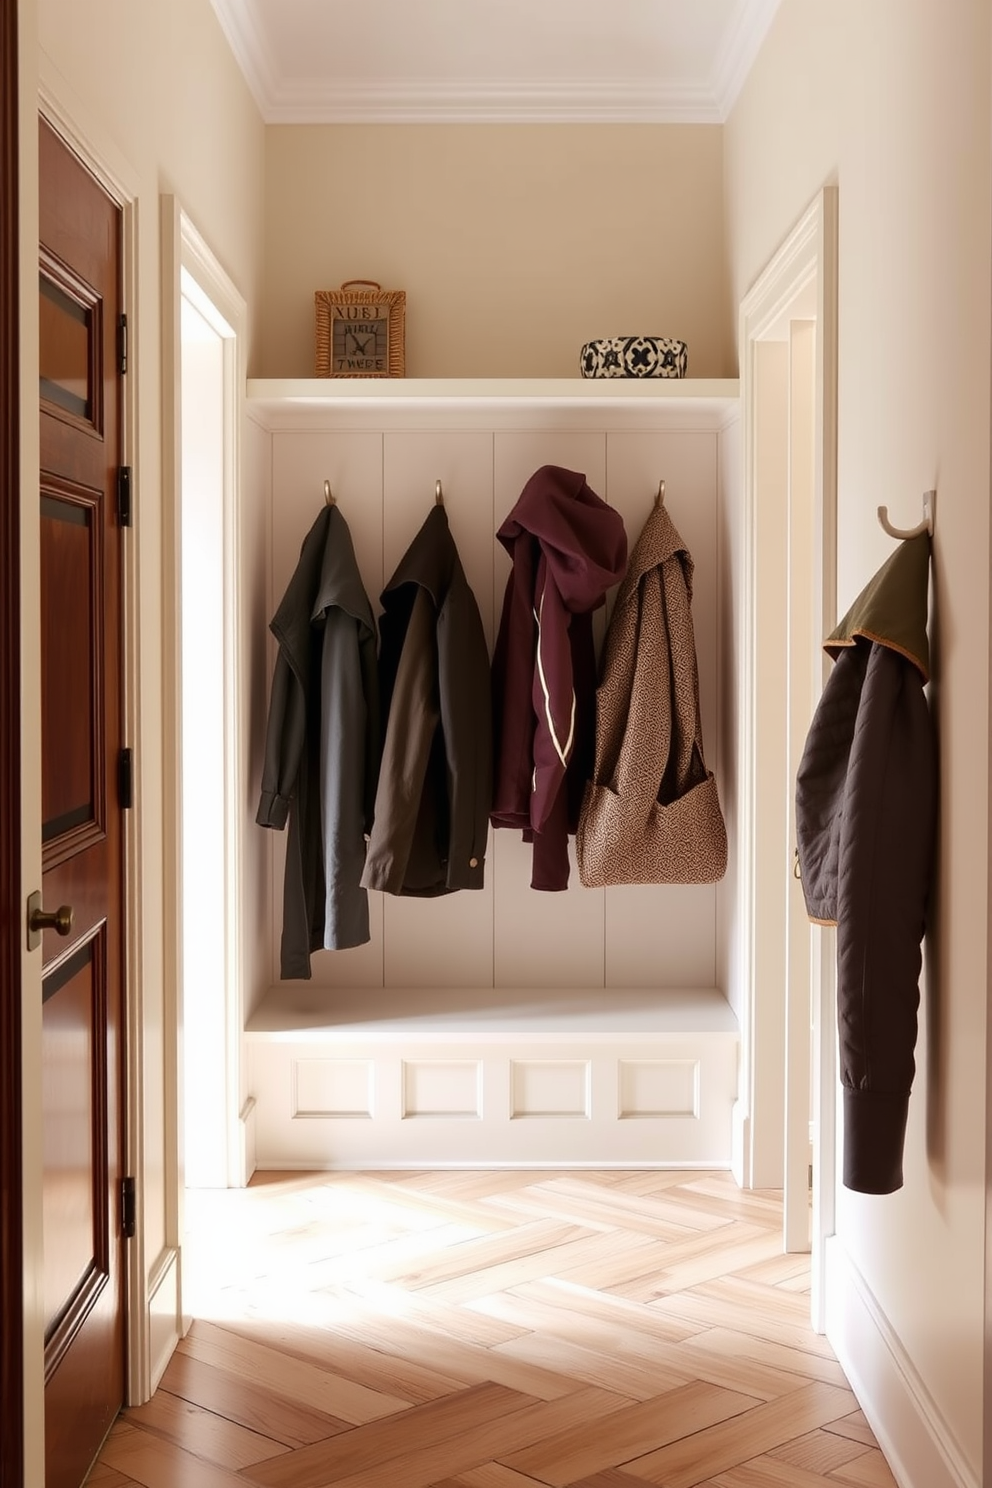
[{"x": 283, "y": 403}]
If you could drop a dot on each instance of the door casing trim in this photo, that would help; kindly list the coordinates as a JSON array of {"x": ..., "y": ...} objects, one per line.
[{"x": 807, "y": 255}]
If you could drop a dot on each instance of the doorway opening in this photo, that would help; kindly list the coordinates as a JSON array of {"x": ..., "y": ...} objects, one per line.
[
  {"x": 205, "y": 786},
  {"x": 788, "y": 345},
  {"x": 204, "y": 867}
]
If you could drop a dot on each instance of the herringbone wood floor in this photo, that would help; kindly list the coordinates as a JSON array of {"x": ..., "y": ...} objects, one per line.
[{"x": 495, "y": 1330}]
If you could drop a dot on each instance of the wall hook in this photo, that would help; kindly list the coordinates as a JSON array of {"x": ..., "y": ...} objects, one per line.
[
  {"x": 438, "y": 494},
  {"x": 328, "y": 494},
  {"x": 659, "y": 500},
  {"x": 929, "y": 508}
]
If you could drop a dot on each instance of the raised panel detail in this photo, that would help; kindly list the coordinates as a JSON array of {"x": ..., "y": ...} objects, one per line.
[
  {"x": 70, "y": 343},
  {"x": 442, "y": 1087},
  {"x": 329, "y": 1088},
  {"x": 551, "y": 1087},
  {"x": 659, "y": 1087},
  {"x": 72, "y": 598},
  {"x": 74, "y": 1142}
]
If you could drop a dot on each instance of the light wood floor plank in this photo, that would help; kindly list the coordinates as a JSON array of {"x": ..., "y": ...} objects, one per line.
[
  {"x": 324, "y": 1346},
  {"x": 818, "y": 1451},
  {"x": 737, "y": 1288},
  {"x": 623, "y": 1206},
  {"x": 856, "y": 1428},
  {"x": 469, "y": 1323},
  {"x": 648, "y": 1360},
  {"x": 768, "y": 1472},
  {"x": 734, "y": 1344},
  {"x": 786, "y": 1271},
  {"x": 702, "y": 1455},
  {"x": 691, "y": 1270},
  {"x": 465, "y": 1361},
  {"x": 202, "y": 1432},
  {"x": 560, "y": 1460},
  {"x": 318, "y": 1388},
  {"x": 155, "y": 1463},
  {"x": 538, "y": 1237},
  {"x": 238, "y": 1399},
  {"x": 388, "y": 1441},
  {"x": 638, "y": 1381},
  {"x": 868, "y": 1471},
  {"x": 602, "y": 1213},
  {"x": 708, "y": 1312},
  {"x": 611, "y": 1477},
  {"x": 491, "y": 1475},
  {"x": 574, "y": 1257},
  {"x": 105, "y": 1476},
  {"x": 609, "y": 1307},
  {"x": 487, "y": 1443}
]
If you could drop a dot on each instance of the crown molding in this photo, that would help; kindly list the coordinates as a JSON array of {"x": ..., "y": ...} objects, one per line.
[
  {"x": 466, "y": 101},
  {"x": 741, "y": 46},
  {"x": 239, "y": 25},
  {"x": 502, "y": 101}
]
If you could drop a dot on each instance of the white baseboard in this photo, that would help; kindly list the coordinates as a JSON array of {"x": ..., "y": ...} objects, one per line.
[
  {"x": 917, "y": 1441},
  {"x": 164, "y": 1314},
  {"x": 247, "y": 1160},
  {"x": 740, "y": 1162},
  {"x": 376, "y": 1165}
]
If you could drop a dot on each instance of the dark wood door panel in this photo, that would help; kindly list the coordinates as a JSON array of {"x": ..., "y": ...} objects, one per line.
[
  {"x": 74, "y": 1140},
  {"x": 12, "y": 1268},
  {"x": 82, "y": 850},
  {"x": 72, "y": 720},
  {"x": 71, "y": 345}
]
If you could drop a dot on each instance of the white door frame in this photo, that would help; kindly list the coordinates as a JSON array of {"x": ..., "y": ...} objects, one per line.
[
  {"x": 800, "y": 281},
  {"x": 189, "y": 267}
]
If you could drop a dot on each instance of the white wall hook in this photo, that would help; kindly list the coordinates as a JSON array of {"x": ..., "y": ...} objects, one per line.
[{"x": 929, "y": 505}]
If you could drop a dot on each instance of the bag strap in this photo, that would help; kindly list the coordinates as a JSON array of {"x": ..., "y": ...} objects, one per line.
[{"x": 658, "y": 644}]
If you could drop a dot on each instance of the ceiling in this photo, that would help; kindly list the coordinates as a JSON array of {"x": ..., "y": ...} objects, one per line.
[{"x": 495, "y": 61}]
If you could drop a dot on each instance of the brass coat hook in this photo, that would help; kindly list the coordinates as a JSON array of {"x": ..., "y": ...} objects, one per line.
[
  {"x": 438, "y": 494},
  {"x": 328, "y": 494},
  {"x": 659, "y": 500}
]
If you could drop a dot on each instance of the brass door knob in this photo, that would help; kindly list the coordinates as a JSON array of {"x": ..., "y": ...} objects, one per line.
[{"x": 59, "y": 920}]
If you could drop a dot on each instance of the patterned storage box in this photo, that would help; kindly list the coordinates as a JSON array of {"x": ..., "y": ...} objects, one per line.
[{"x": 634, "y": 356}]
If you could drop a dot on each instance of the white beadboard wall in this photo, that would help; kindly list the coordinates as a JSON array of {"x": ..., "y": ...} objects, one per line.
[{"x": 620, "y": 1006}]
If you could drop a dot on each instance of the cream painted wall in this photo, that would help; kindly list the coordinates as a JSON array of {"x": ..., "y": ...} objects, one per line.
[
  {"x": 153, "y": 92},
  {"x": 892, "y": 101},
  {"x": 515, "y": 244}
]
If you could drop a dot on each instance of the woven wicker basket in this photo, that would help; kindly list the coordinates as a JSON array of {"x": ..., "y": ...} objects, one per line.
[{"x": 360, "y": 332}]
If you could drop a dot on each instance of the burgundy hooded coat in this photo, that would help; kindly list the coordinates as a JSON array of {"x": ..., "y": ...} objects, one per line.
[{"x": 567, "y": 547}]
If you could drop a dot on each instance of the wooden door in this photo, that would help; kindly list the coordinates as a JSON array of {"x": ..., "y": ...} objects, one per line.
[
  {"x": 11, "y": 904},
  {"x": 81, "y": 738}
]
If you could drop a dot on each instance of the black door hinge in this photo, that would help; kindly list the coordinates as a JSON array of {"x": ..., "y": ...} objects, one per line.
[
  {"x": 128, "y": 1208},
  {"x": 125, "y": 779},
  {"x": 124, "y": 495},
  {"x": 122, "y": 345}
]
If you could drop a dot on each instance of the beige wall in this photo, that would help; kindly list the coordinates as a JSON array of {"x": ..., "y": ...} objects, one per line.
[
  {"x": 515, "y": 244},
  {"x": 153, "y": 93},
  {"x": 892, "y": 102}
]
